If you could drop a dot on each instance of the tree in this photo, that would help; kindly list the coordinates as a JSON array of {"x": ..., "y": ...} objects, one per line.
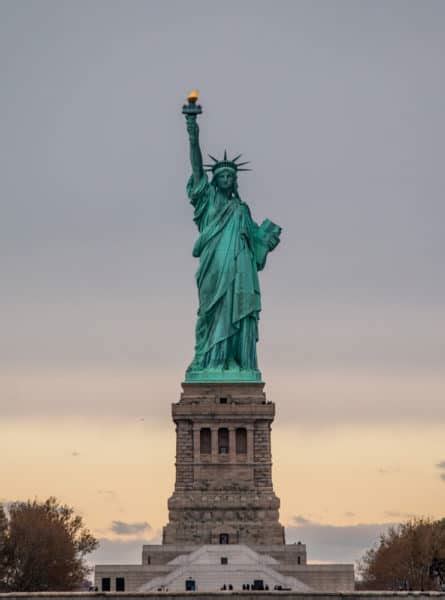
[
  {"x": 44, "y": 547},
  {"x": 409, "y": 557},
  {"x": 3, "y": 538}
]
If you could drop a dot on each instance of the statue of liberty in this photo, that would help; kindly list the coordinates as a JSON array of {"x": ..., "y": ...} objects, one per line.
[{"x": 231, "y": 249}]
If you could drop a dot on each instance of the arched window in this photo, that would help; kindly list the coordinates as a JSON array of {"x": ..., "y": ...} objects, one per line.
[
  {"x": 205, "y": 441},
  {"x": 223, "y": 440},
  {"x": 241, "y": 441}
]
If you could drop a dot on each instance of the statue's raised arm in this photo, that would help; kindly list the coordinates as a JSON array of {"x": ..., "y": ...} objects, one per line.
[
  {"x": 191, "y": 111},
  {"x": 232, "y": 248}
]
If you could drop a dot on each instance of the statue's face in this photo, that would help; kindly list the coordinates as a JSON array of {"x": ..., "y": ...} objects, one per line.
[{"x": 225, "y": 180}]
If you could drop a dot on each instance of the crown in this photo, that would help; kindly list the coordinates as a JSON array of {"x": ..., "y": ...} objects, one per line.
[{"x": 225, "y": 163}]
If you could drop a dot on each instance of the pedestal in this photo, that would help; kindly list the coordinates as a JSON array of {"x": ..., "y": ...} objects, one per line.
[{"x": 223, "y": 491}]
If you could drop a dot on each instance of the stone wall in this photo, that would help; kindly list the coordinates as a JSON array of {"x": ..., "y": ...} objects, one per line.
[
  {"x": 263, "y": 456},
  {"x": 320, "y": 578},
  {"x": 184, "y": 455},
  {"x": 222, "y": 595}
]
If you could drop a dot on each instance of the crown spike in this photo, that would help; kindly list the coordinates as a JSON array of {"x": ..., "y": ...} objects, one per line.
[{"x": 226, "y": 163}]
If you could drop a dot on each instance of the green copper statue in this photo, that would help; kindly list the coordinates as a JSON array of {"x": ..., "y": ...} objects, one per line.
[{"x": 231, "y": 249}]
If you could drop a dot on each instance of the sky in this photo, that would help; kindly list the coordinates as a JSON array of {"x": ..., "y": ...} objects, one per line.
[{"x": 339, "y": 108}]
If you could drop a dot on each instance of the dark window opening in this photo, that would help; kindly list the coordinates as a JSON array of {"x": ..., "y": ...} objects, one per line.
[
  {"x": 224, "y": 560},
  {"x": 298, "y": 560},
  {"x": 120, "y": 584},
  {"x": 258, "y": 584},
  {"x": 205, "y": 441},
  {"x": 223, "y": 400},
  {"x": 223, "y": 538},
  {"x": 106, "y": 584},
  {"x": 223, "y": 441},
  {"x": 148, "y": 560},
  {"x": 190, "y": 585},
  {"x": 241, "y": 441}
]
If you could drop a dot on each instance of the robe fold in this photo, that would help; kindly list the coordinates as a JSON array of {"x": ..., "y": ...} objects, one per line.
[{"x": 231, "y": 249}]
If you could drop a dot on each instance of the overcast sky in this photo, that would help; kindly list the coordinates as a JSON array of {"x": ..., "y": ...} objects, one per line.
[{"x": 339, "y": 107}]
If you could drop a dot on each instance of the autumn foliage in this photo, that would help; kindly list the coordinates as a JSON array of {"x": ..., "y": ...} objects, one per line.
[
  {"x": 410, "y": 556},
  {"x": 42, "y": 547}
]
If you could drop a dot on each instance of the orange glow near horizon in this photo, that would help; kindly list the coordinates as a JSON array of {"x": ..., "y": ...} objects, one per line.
[{"x": 122, "y": 468}]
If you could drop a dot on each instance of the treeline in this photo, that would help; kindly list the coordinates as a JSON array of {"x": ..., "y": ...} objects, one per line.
[
  {"x": 42, "y": 547},
  {"x": 410, "y": 556}
]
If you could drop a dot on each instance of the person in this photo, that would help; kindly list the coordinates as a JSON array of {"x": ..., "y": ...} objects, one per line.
[{"x": 231, "y": 248}]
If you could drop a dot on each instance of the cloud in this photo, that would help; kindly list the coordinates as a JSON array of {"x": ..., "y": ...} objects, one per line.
[
  {"x": 299, "y": 520},
  {"x": 117, "y": 552},
  {"x": 348, "y": 513},
  {"x": 121, "y": 551},
  {"x": 75, "y": 453},
  {"x": 109, "y": 493},
  {"x": 388, "y": 470},
  {"x": 122, "y": 528},
  {"x": 441, "y": 465},
  {"x": 334, "y": 543},
  {"x": 398, "y": 514},
  {"x": 111, "y": 497}
]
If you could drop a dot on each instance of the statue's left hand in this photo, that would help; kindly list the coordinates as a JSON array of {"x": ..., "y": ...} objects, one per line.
[
  {"x": 274, "y": 240},
  {"x": 270, "y": 233}
]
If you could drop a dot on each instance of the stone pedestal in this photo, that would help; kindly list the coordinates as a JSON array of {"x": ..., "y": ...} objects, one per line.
[
  {"x": 223, "y": 495},
  {"x": 223, "y": 491}
]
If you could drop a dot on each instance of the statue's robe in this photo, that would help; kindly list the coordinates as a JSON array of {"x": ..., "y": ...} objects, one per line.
[{"x": 231, "y": 248}]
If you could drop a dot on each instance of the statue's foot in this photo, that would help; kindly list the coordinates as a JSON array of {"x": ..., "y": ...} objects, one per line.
[
  {"x": 232, "y": 365},
  {"x": 230, "y": 371}
]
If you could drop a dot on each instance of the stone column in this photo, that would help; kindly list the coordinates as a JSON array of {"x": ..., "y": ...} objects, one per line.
[
  {"x": 232, "y": 444},
  {"x": 215, "y": 456},
  {"x": 196, "y": 442},
  {"x": 249, "y": 443}
]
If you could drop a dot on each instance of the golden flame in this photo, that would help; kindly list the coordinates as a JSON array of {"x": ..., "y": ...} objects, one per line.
[{"x": 193, "y": 96}]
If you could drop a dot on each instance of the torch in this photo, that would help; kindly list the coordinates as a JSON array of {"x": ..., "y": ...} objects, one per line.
[{"x": 192, "y": 109}]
